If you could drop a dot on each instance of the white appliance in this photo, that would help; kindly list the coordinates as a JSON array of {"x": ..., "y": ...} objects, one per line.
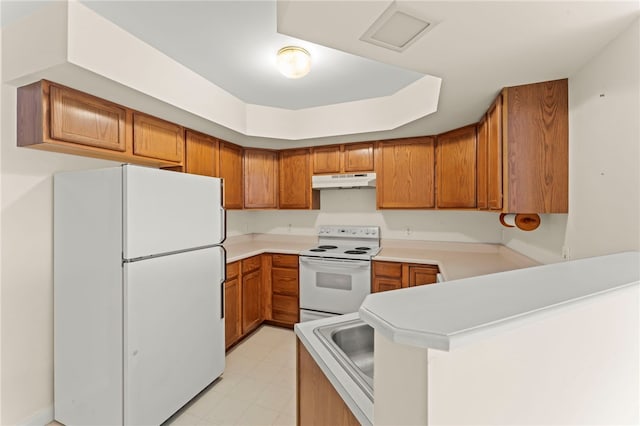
[
  {"x": 351, "y": 180},
  {"x": 138, "y": 293},
  {"x": 335, "y": 276}
]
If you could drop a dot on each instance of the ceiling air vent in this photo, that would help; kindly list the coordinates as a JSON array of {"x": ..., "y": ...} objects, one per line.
[{"x": 396, "y": 29}]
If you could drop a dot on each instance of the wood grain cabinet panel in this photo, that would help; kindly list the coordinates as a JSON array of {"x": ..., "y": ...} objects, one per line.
[
  {"x": 385, "y": 284},
  {"x": 422, "y": 275},
  {"x": 405, "y": 169},
  {"x": 260, "y": 179},
  {"x": 318, "y": 401},
  {"x": 230, "y": 170},
  {"x": 456, "y": 168},
  {"x": 285, "y": 289},
  {"x": 284, "y": 281},
  {"x": 251, "y": 264},
  {"x": 232, "y": 311},
  {"x": 84, "y": 119},
  {"x": 481, "y": 165},
  {"x": 294, "y": 185},
  {"x": 358, "y": 157},
  {"x": 201, "y": 154},
  {"x": 494, "y": 155},
  {"x": 326, "y": 159},
  {"x": 251, "y": 300},
  {"x": 156, "y": 138},
  {"x": 536, "y": 147}
]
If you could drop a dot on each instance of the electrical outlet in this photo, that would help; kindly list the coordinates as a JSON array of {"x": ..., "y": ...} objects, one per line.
[
  {"x": 407, "y": 231},
  {"x": 566, "y": 253}
]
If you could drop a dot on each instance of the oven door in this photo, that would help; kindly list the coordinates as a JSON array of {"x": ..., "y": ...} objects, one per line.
[{"x": 333, "y": 285}]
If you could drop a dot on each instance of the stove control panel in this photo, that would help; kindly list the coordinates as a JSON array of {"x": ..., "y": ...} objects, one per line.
[{"x": 349, "y": 231}]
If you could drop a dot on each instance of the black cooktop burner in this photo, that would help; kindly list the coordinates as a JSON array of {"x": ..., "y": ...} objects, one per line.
[
  {"x": 317, "y": 249},
  {"x": 355, "y": 252},
  {"x": 363, "y": 248},
  {"x": 327, "y": 247}
]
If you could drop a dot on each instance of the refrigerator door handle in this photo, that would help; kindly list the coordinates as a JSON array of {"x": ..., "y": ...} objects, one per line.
[
  {"x": 223, "y": 214},
  {"x": 223, "y": 270}
]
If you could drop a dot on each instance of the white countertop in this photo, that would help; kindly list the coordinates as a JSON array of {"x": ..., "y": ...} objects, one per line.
[
  {"x": 359, "y": 404},
  {"x": 448, "y": 315},
  {"x": 455, "y": 260}
]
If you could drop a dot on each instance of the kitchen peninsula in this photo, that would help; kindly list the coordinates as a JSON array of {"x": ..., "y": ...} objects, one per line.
[{"x": 553, "y": 344}]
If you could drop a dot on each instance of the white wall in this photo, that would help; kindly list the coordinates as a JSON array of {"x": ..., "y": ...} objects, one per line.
[
  {"x": 358, "y": 207},
  {"x": 26, "y": 279},
  {"x": 604, "y": 160}
]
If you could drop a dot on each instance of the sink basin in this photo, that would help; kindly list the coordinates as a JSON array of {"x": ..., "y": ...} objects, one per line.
[{"x": 351, "y": 344}]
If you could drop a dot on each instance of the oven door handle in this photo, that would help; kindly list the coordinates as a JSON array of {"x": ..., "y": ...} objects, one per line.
[{"x": 336, "y": 264}]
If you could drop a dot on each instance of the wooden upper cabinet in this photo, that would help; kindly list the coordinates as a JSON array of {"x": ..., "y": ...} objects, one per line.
[
  {"x": 405, "y": 170},
  {"x": 456, "y": 168},
  {"x": 230, "y": 170},
  {"x": 494, "y": 155},
  {"x": 358, "y": 157},
  {"x": 84, "y": 119},
  {"x": 346, "y": 158},
  {"x": 536, "y": 147},
  {"x": 260, "y": 179},
  {"x": 156, "y": 138},
  {"x": 481, "y": 165},
  {"x": 294, "y": 185},
  {"x": 201, "y": 154},
  {"x": 326, "y": 159}
]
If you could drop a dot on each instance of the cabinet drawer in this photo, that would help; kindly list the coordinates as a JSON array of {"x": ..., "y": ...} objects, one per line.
[
  {"x": 387, "y": 269},
  {"x": 232, "y": 270},
  {"x": 285, "y": 308},
  {"x": 251, "y": 264},
  {"x": 284, "y": 281},
  {"x": 285, "y": 260}
]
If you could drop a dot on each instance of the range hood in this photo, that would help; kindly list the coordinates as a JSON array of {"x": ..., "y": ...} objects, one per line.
[{"x": 355, "y": 180}]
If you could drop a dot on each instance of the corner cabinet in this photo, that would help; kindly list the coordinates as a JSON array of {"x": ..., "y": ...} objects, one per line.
[
  {"x": 456, "y": 168},
  {"x": 260, "y": 179},
  {"x": 52, "y": 117},
  {"x": 294, "y": 183},
  {"x": 405, "y": 173}
]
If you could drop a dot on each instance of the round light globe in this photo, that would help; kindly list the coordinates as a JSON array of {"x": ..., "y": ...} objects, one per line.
[{"x": 293, "y": 62}]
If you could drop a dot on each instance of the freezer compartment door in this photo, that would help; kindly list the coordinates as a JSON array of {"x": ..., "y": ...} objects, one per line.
[
  {"x": 167, "y": 211},
  {"x": 174, "y": 332}
]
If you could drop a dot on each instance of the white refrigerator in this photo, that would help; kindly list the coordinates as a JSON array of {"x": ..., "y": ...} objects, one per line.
[{"x": 138, "y": 293}]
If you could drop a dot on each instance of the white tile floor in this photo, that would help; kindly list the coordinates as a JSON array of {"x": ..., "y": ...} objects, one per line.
[{"x": 257, "y": 387}]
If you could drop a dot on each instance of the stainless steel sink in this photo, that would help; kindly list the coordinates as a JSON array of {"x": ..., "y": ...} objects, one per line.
[{"x": 351, "y": 344}]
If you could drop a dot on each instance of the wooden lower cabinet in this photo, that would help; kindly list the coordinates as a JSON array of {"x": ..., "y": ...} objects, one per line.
[
  {"x": 395, "y": 275},
  {"x": 318, "y": 401},
  {"x": 251, "y": 300},
  {"x": 285, "y": 306},
  {"x": 232, "y": 305}
]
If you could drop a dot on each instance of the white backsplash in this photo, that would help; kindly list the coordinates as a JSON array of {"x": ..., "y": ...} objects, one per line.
[{"x": 358, "y": 207}]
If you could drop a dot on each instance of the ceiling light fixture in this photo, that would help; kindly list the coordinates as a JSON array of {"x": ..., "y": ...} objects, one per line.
[{"x": 293, "y": 62}]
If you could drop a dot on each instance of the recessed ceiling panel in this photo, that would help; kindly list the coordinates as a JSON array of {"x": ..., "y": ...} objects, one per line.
[{"x": 233, "y": 44}]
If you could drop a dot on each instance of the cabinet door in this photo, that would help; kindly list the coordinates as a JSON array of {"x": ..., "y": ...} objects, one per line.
[
  {"x": 251, "y": 295},
  {"x": 83, "y": 119},
  {"x": 494, "y": 155},
  {"x": 284, "y": 281},
  {"x": 405, "y": 173},
  {"x": 422, "y": 274},
  {"x": 456, "y": 168},
  {"x": 535, "y": 148},
  {"x": 156, "y": 138},
  {"x": 232, "y": 312},
  {"x": 230, "y": 169},
  {"x": 358, "y": 157},
  {"x": 201, "y": 154},
  {"x": 260, "y": 179},
  {"x": 285, "y": 309},
  {"x": 385, "y": 284},
  {"x": 481, "y": 165},
  {"x": 326, "y": 159},
  {"x": 294, "y": 187}
]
